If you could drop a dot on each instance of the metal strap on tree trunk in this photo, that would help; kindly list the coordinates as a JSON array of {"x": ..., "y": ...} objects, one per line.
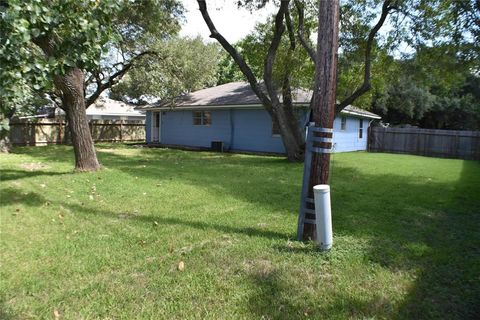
[
  {"x": 320, "y": 150},
  {"x": 320, "y": 129},
  {"x": 309, "y": 150},
  {"x": 322, "y": 139}
]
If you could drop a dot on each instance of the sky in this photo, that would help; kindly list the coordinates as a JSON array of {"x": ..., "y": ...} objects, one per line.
[{"x": 233, "y": 23}]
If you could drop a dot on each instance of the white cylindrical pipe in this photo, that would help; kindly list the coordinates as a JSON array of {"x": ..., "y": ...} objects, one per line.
[{"x": 323, "y": 216}]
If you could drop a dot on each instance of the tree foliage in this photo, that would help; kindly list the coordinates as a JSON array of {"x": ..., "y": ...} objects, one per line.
[
  {"x": 179, "y": 65},
  {"x": 81, "y": 28},
  {"x": 437, "y": 93},
  {"x": 141, "y": 26}
]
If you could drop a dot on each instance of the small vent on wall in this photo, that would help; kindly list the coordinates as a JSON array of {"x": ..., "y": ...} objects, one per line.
[{"x": 217, "y": 146}]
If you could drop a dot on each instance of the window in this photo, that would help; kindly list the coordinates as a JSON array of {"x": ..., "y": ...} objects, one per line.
[
  {"x": 275, "y": 129},
  {"x": 360, "y": 129},
  {"x": 202, "y": 118},
  {"x": 343, "y": 125}
]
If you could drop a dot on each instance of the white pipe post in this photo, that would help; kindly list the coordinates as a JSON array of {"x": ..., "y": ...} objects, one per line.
[{"x": 323, "y": 216}]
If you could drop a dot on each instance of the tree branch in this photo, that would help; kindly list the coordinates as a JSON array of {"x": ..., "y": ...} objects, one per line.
[
  {"x": 366, "y": 85},
  {"x": 113, "y": 79},
  {"x": 246, "y": 70},
  {"x": 291, "y": 33},
  {"x": 286, "y": 86},
  {"x": 301, "y": 32},
  {"x": 272, "y": 51}
]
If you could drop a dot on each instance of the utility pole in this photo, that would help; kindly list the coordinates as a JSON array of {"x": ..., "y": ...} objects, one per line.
[{"x": 323, "y": 107}]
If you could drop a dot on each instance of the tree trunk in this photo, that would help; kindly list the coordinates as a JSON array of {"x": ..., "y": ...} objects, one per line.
[
  {"x": 71, "y": 85},
  {"x": 281, "y": 113},
  {"x": 292, "y": 138},
  {"x": 324, "y": 93}
]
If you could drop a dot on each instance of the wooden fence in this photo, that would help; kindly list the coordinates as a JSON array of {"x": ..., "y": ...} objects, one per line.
[
  {"x": 50, "y": 131},
  {"x": 426, "y": 142}
]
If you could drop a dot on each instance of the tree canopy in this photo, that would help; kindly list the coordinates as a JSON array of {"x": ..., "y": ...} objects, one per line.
[
  {"x": 81, "y": 28},
  {"x": 178, "y": 65},
  {"x": 423, "y": 65}
]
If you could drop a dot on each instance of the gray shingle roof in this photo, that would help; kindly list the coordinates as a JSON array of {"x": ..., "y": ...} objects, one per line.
[
  {"x": 351, "y": 110},
  {"x": 229, "y": 94},
  {"x": 237, "y": 94}
]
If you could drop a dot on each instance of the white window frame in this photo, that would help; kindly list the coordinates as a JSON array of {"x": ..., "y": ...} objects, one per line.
[{"x": 202, "y": 118}]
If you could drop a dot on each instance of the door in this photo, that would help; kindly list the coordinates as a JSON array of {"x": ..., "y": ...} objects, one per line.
[{"x": 156, "y": 127}]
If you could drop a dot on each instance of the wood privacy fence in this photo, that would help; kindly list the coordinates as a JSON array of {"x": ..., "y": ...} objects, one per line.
[
  {"x": 426, "y": 142},
  {"x": 51, "y": 131}
]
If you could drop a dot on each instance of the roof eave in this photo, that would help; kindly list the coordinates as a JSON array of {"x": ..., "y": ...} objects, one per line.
[{"x": 358, "y": 114}]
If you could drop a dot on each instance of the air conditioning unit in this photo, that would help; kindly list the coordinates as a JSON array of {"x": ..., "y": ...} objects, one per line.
[{"x": 217, "y": 146}]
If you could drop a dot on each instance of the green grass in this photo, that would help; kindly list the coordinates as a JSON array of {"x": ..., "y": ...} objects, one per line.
[{"x": 107, "y": 245}]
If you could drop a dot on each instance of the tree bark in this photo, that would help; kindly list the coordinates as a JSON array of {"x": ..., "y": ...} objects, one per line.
[
  {"x": 71, "y": 85},
  {"x": 73, "y": 99},
  {"x": 324, "y": 92}
]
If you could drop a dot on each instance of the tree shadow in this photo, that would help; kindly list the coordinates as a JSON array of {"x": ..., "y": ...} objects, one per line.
[
  {"x": 273, "y": 299},
  {"x": 449, "y": 280},
  {"x": 410, "y": 223},
  {"x": 6, "y": 312},
  {"x": 13, "y": 196},
  {"x": 12, "y": 174},
  {"x": 264, "y": 181},
  {"x": 432, "y": 228}
]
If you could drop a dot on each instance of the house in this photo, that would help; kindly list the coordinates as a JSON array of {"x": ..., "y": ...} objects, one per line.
[
  {"x": 231, "y": 115},
  {"x": 109, "y": 109}
]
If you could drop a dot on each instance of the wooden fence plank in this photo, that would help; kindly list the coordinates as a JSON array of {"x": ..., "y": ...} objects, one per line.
[
  {"x": 426, "y": 142},
  {"x": 50, "y": 131}
]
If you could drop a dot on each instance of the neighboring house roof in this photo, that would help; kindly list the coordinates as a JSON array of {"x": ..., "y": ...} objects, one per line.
[
  {"x": 109, "y": 107},
  {"x": 238, "y": 95}
]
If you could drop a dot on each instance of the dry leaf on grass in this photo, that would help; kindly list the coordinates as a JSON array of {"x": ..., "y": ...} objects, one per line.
[
  {"x": 56, "y": 314},
  {"x": 181, "y": 266}
]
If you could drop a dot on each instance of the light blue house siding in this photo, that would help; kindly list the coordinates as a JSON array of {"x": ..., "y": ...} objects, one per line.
[
  {"x": 244, "y": 130},
  {"x": 252, "y": 131},
  {"x": 177, "y": 129},
  {"x": 349, "y": 139}
]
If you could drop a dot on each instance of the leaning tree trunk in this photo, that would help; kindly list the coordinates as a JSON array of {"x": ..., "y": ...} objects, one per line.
[
  {"x": 71, "y": 85},
  {"x": 292, "y": 139},
  {"x": 324, "y": 93},
  {"x": 280, "y": 114}
]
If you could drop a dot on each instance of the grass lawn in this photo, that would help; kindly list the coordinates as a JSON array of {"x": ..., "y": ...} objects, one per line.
[{"x": 108, "y": 245}]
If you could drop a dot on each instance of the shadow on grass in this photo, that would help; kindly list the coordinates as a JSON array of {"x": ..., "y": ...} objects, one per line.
[
  {"x": 271, "y": 182},
  {"x": 449, "y": 281},
  {"x": 12, "y": 196},
  {"x": 410, "y": 223},
  {"x": 273, "y": 300},
  {"x": 432, "y": 229},
  {"x": 11, "y": 174}
]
